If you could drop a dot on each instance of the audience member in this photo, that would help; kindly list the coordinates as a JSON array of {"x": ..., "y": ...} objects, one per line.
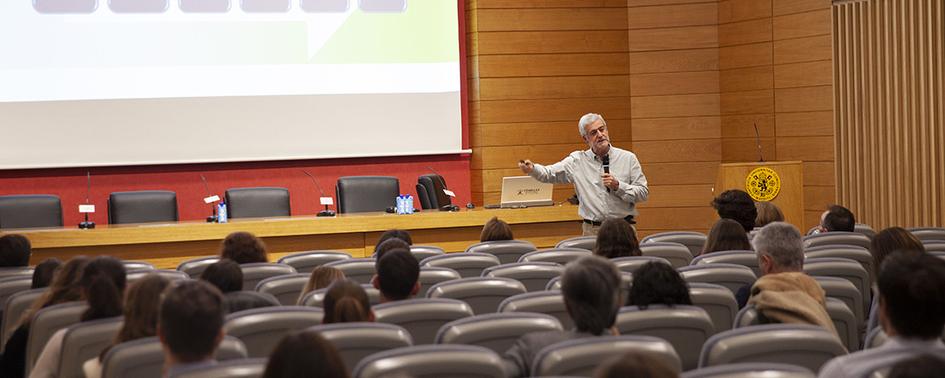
[
  {"x": 389, "y": 245},
  {"x": 634, "y": 364},
  {"x": 911, "y": 311},
  {"x": 44, "y": 272},
  {"x": 615, "y": 239},
  {"x": 394, "y": 234},
  {"x": 767, "y": 213},
  {"x": 656, "y": 283},
  {"x": 836, "y": 218},
  {"x": 190, "y": 324},
  {"x": 590, "y": 286},
  {"x": 320, "y": 278},
  {"x": 227, "y": 276},
  {"x": 736, "y": 205},
  {"x": 397, "y": 275},
  {"x": 496, "y": 229},
  {"x": 726, "y": 235},
  {"x": 305, "y": 354},
  {"x": 918, "y": 367},
  {"x": 885, "y": 243},
  {"x": 64, "y": 288},
  {"x": 243, "y": 248},
  {"x": 103, "y": 286},
  {"x": 15, "y": 251},
  {"x": 346, "y": 302}
]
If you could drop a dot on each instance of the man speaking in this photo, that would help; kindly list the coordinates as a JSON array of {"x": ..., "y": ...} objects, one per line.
[{"x": 608, "y": 180}]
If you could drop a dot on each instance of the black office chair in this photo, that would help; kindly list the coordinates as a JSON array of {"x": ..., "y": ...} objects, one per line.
[
  {"x": 430, "y": 192},
  {"x": 257, "y": 202},
  {"x": 30, "y": 210},
  {"x": 357, "y": 194},
  {"x": 142, "y": 207}
]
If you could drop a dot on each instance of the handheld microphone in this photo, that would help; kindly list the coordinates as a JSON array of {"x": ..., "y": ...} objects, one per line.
[
  {"x": 449, "y": 193},
  {"x": 87, "y": 207},
  {"x": 210, "y": 199},
  {"x": 761, "y": 157},
  {"x": 324, "y": 200},
  {"x": 606, "y": 162}
]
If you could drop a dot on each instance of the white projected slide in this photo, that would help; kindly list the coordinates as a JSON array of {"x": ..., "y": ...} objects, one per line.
[{"x": 123, "y": 82}]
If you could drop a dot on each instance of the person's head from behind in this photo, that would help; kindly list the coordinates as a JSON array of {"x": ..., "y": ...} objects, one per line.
[
  {"x": 496, "y": 229},
  {"x": 63, "y": 288},
  {"x": 736, "y": 205},
  {"x": 390, "y": 245},
  {"x": 657, "y": 283},
  {"x": 767, "y": 213},
  {"x": 634, "y": 364},
  {"x": 15, "y": 250},
  {"x": 321, "y": 277},
  {"x": 44, "y": 272},
  {"x": 244, "y": 248},
  {"x": 345, "y": 302},
  {"x": 837, "y": 218},
  {"x": 190, "y": 323},
  {"x": 615, "y": 238},
  {"x": 726, "y": 235},
  {"x": 103, "y": 286},
  {"x": 779, "y": 248},
  {"x": 394, "y": 234},
  {"x": 889, "y": 240},
  {"x": 225, "y": 274},
  {"x": 922, "y": 366},
  {"x": 591, "y": 286},
  {"x": 397, "y": 274},
  {"x": 912, "y": 295},
  {"x": 305, "y": 354},
  {"x": 142, "y": 301}
]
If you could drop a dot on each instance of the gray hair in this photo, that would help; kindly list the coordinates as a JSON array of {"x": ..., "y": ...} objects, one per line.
[
  {"x": 783, "y": 243},
  {"x": 588, "y": 119}
]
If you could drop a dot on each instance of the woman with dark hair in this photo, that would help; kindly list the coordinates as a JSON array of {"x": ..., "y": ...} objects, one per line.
[
  {"x": 345, "y": 302},
  {"x": 737, "y": 205},
  {"x": 44, "y": 272},
  {"x": 320, "y": 278},
  {"x": 616, "y": 238},
  {"x": 495, "y": 230},
  {"x": 394, "y": 234},
  {"x": 726, "y": 235},
  {"x": 767, "y": 213},
  {"x": 243, "y": 248},
  {"x": 305, "y": 354},
  {"x": 886, "y": 243},
  {"x": 657, "y": 283}
]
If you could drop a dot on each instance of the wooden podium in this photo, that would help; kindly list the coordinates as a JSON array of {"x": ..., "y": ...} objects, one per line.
[{"x": 790, "y": 174}]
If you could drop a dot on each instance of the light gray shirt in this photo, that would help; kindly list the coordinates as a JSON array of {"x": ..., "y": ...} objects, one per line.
[
  {"x": 584, "y": 168},
  {"x": 863, "y": 363}
]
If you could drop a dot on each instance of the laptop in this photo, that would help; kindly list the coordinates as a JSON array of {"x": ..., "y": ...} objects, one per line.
[{"x": 525, "y": 191}]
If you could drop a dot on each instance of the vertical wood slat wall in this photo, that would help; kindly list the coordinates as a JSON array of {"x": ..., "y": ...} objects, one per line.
[{"x": 890, "y": 110}]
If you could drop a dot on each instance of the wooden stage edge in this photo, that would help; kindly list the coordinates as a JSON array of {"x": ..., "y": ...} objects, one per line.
[{"x": 166, "y": 245}]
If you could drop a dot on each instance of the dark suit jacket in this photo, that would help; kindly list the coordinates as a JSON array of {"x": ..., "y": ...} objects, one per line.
[{"x": 519, "y": 358}]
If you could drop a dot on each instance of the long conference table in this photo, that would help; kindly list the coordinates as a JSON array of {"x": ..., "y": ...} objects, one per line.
[{"x": 168, "y": 244}]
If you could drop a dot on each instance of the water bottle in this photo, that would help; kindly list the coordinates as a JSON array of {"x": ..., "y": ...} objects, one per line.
[
  {"x": 401, "y": 204},
  {"x": 409, "y": 204},
  {"x": 221, "y": 213}
]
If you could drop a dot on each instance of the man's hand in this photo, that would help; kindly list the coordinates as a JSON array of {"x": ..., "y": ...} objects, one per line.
[
  {"x": 610, "y": 181},
  {"x": 526, "y": 166}
]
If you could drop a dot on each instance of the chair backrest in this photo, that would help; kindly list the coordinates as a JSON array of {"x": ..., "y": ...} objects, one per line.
[
  {"x": 796, "y": 344},
  {"x": 626, "y": 281},
  {"x": 928, "y": 233},
  {"x": 13, "y": 309},
  {"x": 84, "y": 341},
  {"x": 750, "y": 370},
  {"x": 286, "y": 288},
  {"x": 142, "y": 206},
  {"x": 12, "y": 285},
  {"x": 844, "y": 290},
  {"x": 847, "y": 269},
  {"x": 630, "y": 264},
  {"x": 731, "y": 276},
  {"x": 30, "y": 211},
  {"x": 240, "y": 368},
  {"x": 257, "y": 202},
  {"x": 561, "y": 256},
  {"x": 534, "y": 275},
  {"x": 137, "y": 265},
  {"x": 495, "y": 331},
  {"x": 253, "y": 273},
  {"x": 357, "y": 194},
  {"x": 46, "y": 322},
  {"x": 430, "y": 276},
  {"x": 422, "y": 317},
  {"x": 858, "y": 254},
  {"x": 144, "y": 358},
  {"x": 421, "y": 252},
  {"x": 508, "y": 251},
  {"x": 717, "y": 301},
  {"x": 744, "y": 258},
  {"x": 306, "y": 262},
  {"x": 468, "y": 264},
  {"x": 848, "y": 328},
  {"x": 935, "y": 248},
  {"x": 549, "y": 302},
  {"x": 695, "y": 241},
  {"x": 876, "y": 338},
  {"x": 433, "y": 185},
  {"x": 581, "y": 356},
  {"x": 483, "y": 294},
  {"x": 676, "y": 253},
  {"x": 428, "y": 361},
  {"x": 316, "y": 298},
  {"x": 581, "y": 242},
  {"x": 194, "y": 267},
  {"x": 261, "y": 329},
  {"x": 171, "y": 275},
  {"x": 360, "y": 270},
  {"x": 864, "y": 229},
  {"x": 355, "y": 341},
  {"x": 19, "y": 271},
  {"x": 837, "y": 238},
  {"x": 685, "y": 327},
  {"x": 746, "y": 317}
]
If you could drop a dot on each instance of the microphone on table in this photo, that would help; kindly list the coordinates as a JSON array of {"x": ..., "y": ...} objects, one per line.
[
  {"x": 606, "y": 162},
  {"x": 449, "y": 206},
  {"x": 210, "y": 199},
  {"x": 324, "y": 200},
  {"x": 87, "y": 207}
]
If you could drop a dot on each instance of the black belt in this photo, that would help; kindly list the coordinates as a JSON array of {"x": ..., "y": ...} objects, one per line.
[{"x": 628, "y": 218}]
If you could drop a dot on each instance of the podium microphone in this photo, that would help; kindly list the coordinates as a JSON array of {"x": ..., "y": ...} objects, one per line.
[
  {"x": 87, "y": 207},
  {"x": 324, "y": 200},
  {"x": 447, "y": 207},
  {"x": 210, "y": 199},
  {"x": 606, "y": 162},
  {"x": 761, "y": 157}
]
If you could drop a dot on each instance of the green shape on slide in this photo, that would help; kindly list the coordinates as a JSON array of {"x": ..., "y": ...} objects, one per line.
[{"x": 425, "y": 33}]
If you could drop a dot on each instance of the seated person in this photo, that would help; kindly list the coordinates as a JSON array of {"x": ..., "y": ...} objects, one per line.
[
  {"x": 243, "y": 248},
  {"x": 726, "y": 235},
  {"x": 836, "y": 218},
  {"x": 394, "y": 234},
  {"x": 321, "y": 277},
  {"x": 657, "y": 283},
  {"x": 305, "y": 354},
  {"x": 591, "y": 289},
  {"x": 227, "y": 277},
  {"x": 388, "y": 245},
  {"x": 923, "y": 366},
  {"x": 885, "y": 243},
  {"x": 190, "y": 325},
  {"x": 495, "y": 230},
  {"x": 345, "y": 302},
  {"x": 616, "y": 238},
  {"x": 736, "y": 205},
  {"x": 767, "y": 213},
  {"x": 44, "y": 272},
  {"x": 397, "y": 276},
  {"x": 15, "y": 250}
]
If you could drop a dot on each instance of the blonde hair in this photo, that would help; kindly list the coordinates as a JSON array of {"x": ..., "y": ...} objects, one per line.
[
  {"x": 321, "y": 278},
  {"x": 767, "y": 213}
]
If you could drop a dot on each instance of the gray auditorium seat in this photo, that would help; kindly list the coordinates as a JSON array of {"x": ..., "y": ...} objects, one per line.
[
  {"x": 468, "y": 264},
  {"x": 848, "y": 328},
  {"x": 306, "y": 262},
  {"x": 194, "y": 267},
  {"x": 359, "y": 270},
  {"x": 431, "y": 361},
  {"x": 844, "y": 290},
  {"x": 239, "y": 368},
  {"x": 717, "y": 301},
  {"x": 483, "y": 294},
  {"x": 253, "y": 273},
  {"x": 548, "y": 302},
  {"x": 142, "y": 207},
  {"x": 858, "y": 254},
  {"x": 837, "y": 238},
  {"x": 355, "y": 341},
  {"x": 750, "y": 370},
  {"x": 731, "y": 276},
  {"x": 131, "y": 266},
  {"x": 582, "y": 242},
  {"x": 937, "y": 249},
  {"x": 422, "y": 317},
  {"x": 743, "y": 258},
  {"x": 13, "y": 309},
  {"x": 30, "y": 211},
  {"x": 864, "y": 229},
  {"x": 286, "y": 288},
  {"x": 555, "y": 255},
  {"x": 692, "y": 240},
  {"x": 534, "y": 275},
  {"x": 84, "y": 341},
  {"x": 926, "y": 234},
  {"x": 508, "y": 251},
  {"x": 144, "y": 358},
  {"x": 171, "y": 275},
  {"x": 316, "y": 298},
  {"x": 876, "y": 338},
  {"x": 842, "y": 268},
  {"x": 495, "y": 331},
  {"x": 685, "y": 327},
  {"x": 803, "y": 345},
  {"x": 430, "y": 276},
  {"x": 257, "y": 202},
  {"x": 19, "y": 271},
  {"x": 358, "y": 194},
  {"x": 581, "y": 357},
  {"x": 630, "y": 264},
  {"x": 626, "y": 281},
  {"x": 261, "y": 329},
  {"x": 45, "y": 323},
  {"x": 13, "y": 285},
  {"x": 421, "y": 252},
  {"x": 676, "y": 253}
]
